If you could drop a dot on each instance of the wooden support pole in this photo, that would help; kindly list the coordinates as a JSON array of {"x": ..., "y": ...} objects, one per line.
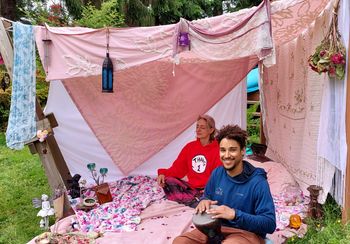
[
  {"x": 262, "y": 135},
  {"x": 56, "y": 159},
  {"x": 346, "y": 199},
  {"x": 6, "y": 48}
]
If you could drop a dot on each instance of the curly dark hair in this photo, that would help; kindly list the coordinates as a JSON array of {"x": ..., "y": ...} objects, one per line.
[{"x": 233, "y": 132}]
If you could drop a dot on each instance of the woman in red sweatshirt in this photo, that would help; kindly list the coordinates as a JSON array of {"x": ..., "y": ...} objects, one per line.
[{"x": 196, "y": 161}]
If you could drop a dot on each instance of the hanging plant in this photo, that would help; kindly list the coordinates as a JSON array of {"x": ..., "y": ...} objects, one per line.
[{"x": 330, "y": 55}]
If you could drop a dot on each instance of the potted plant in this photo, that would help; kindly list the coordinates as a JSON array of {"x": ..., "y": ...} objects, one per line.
[{"x": 102, "y": 190}]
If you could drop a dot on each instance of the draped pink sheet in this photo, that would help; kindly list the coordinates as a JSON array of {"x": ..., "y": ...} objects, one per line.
[
  {"x": 77, "y": 52},
  {"x": 289, "y": 18},
  {"x": 154, "y": 99},
  {"x": 292, "y": 91},
  {"x": 150, "y": 106}
]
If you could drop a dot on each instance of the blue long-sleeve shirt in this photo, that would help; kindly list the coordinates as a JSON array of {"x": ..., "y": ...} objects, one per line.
[{"x": 249, "y": 194}]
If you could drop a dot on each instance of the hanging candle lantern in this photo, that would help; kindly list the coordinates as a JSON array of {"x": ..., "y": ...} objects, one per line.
[
  {"x": 107, "y": 74},
  {"x": 47, "y": 43},
  {"x": 107, "y": 70},
  {"x": 184, "y": 39}
]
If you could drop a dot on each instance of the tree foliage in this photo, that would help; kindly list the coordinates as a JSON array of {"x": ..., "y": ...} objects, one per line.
[
  {"x": 108, "y": 15},
  {"x": 161, "y": 12},
  {"x": 74, "y": 8},
  {"x": 8, "y": 9}
]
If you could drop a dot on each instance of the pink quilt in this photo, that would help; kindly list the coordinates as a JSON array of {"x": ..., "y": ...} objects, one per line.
[
  {"x": 163, "y": 220},
  {"x": 130, "y": 195}
]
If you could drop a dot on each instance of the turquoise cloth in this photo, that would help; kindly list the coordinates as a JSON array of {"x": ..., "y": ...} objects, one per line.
[
  {"x": 21, "y": 124},
  {"x": 253, "y": 80},
  {"x": 248, "y": 150}
]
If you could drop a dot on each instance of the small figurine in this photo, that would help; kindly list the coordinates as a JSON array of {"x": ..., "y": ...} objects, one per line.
[
  {"x": 46, "y": 210},
  {"x": 82, "y": 184},
  {"x": 315, "y": 208},
  {"x": 74, "y": 190},
  {"x": 74, "y": 224}
]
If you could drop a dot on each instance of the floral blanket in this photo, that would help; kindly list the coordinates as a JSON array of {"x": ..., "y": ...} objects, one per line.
[{"x": 130, "y": 196}]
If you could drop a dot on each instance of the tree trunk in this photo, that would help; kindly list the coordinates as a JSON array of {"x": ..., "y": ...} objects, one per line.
[{"x": 8, "y": 9}]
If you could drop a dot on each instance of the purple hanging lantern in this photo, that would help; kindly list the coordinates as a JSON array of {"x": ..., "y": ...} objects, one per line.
[{"x": 184, "y": 39}]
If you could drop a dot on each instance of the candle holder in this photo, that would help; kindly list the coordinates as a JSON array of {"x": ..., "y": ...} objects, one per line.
[
  {"x": 315, "y": 209},
  {"x": 184, "y": 40}
]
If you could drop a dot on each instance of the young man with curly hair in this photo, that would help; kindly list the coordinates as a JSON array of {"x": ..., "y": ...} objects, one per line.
[{"x": 241, "y": 193}]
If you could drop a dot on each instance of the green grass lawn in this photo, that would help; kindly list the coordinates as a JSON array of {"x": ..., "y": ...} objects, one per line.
[
  {"x": 328, "y": 230},
  {"x": 22, "y": 178}
]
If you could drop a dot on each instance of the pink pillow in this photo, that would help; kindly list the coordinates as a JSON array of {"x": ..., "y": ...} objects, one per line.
[{"x": 277, "y": 175}]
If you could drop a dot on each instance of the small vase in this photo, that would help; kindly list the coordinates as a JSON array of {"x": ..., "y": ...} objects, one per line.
[
  {"x": 315, "y": 209},
  {"x": 103, "y": 193}
]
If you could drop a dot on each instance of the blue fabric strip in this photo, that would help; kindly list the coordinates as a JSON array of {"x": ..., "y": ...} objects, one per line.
[{"x": 21, "y": 124}]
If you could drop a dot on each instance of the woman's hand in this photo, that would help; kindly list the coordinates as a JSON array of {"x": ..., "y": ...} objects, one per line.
[
  {"x": 204, "y": 205},
  {"x": 222, "y": 212},
  {"x": 161, "y": 180}
]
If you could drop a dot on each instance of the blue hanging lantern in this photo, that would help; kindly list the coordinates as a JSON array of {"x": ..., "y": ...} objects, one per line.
[
  {"x": 107, "y": 74},
  {"x": 107, "y": 70}
]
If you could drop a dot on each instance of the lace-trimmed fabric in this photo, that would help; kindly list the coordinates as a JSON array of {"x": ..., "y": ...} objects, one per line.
[
  {"x": 21, "y": 125},
  {"x": 216, "y": 38}
]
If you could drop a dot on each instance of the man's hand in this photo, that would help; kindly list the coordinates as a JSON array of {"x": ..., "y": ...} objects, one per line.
[
  {"x": 161, "y": 180},
  {"x": 222, "y": 212},
  {"x": 204, "y": 205}
]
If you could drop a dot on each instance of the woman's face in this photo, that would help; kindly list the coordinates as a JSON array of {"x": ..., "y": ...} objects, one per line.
[{"x": 202, "y": 129}]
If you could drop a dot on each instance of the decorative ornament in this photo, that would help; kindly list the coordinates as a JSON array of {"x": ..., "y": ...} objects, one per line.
[
  {"x": 103, "y": 172},
  {"x": 42, "y": 135},
  {"x": 184, "y": 40},
  {"x": 47, "y": 43},
  {"x": 330, "y": 55},
  {"x": 295, "y": 221},
  {"x": 102, "y": 190},
  {"x": 315, "y": 210},
  {"x": 74, "y": 186},
  {"x": 107, "y": 70},
  {"x": 89, "y": 202},
  {"x": 5, "y": 81},
  {"x": 46, "y": 210}
]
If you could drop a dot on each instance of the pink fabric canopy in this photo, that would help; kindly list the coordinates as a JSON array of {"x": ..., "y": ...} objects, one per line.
[
  {"x": 160, "y": 87},
  {"x": 77, "y": 52},
  {"x": 292, "y": 91},
  {"x": 150, "y": 107}
]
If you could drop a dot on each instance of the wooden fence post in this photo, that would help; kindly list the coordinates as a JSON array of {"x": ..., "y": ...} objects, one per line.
[{"x": 346, "y": 198}]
